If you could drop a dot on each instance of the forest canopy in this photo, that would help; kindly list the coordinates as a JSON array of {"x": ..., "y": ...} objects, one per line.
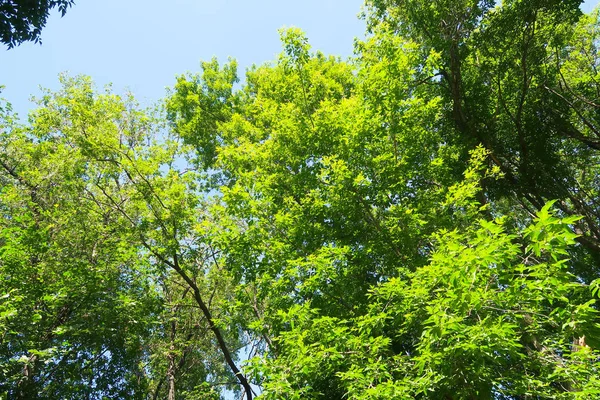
[{"x": 420, "y": 221}]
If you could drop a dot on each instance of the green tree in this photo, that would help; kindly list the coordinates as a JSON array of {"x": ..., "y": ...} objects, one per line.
[
  {"x": 519, "y": 78},
  {"x": 105, "y": 271},
  {"x": 416, "y": 222},
  {"x": 373, "y": 267},
  {"x": 76, "y": 304}
]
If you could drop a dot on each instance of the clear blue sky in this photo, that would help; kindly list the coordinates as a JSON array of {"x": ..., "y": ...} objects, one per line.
[{"x": 142, "y": 44}]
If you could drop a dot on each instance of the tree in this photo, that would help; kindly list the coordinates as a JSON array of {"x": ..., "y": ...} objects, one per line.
[
  {"x": 508, "y": 81},
  {"x": 89, "y": 308},
  {"x": 23, "y": 20},
  {"x": 416, "y": 222},
  {"x": 340, "y": 182},
  {"x": 494, "y": 315},
  {"x": 76, "y": 305}
]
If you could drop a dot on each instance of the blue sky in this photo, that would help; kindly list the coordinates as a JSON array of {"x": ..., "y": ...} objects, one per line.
[{"x": 141, "y": 45}]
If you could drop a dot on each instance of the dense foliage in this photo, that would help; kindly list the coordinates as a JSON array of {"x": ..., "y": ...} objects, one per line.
[
  {"x": 418, "y": 222},
  {"x": 23, "y": 20}
]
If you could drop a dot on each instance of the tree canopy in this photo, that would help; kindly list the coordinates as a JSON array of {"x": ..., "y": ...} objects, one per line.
[
  {"x": 420, "y": 221},
  {"x": 23, "y": 20}
]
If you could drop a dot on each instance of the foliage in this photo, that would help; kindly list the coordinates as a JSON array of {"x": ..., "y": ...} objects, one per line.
[
  {"x": 417, "y": 222},
  {"x": 76, "y": 302},
  {"x": 493, "y": 315},
  {"x": 23, "y": 20},
  {"x": 520, "y": 79},
  {"x": 87, "y": 307}
]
